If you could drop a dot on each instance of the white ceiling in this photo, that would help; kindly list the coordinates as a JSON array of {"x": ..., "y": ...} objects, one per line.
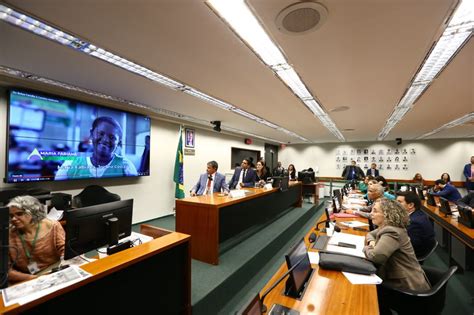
[{"x": 364, "y": 57}]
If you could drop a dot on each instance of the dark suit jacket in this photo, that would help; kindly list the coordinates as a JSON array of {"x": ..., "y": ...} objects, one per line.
[
  {"x": 421, "y": 233},
  {"x": 467, "y": 173},
  {"x": 369, "y": 172},
  {"x": 248, "y": 180},
  {"x": 346, "y": 173},
  {"x": 467, "y": 200}
]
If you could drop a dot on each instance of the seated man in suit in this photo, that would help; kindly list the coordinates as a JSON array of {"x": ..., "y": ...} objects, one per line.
[
  {"x": 420, "y": 229},
  {"x": 244, "y": 176},
  {"x": 210, "y": 182},
  {"x": 446, "y": 191},
  {"x": 373, "y": 170},
  {"x": 467, "y": 201}
]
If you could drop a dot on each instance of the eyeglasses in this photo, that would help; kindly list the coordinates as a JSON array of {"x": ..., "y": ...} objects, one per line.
[{"x": 18, "y": 214}]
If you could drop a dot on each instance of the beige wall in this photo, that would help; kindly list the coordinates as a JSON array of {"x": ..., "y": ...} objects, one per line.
[
  {"x": 153, "y": 195},
  {"x": 432, "y": 157}
]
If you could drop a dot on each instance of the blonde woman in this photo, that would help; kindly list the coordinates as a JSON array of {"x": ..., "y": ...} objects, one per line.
[{"x": 390, "y": 249}]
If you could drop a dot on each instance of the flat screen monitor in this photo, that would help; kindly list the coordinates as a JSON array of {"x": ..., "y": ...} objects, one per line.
[
  {"x": 465, "y": 216},
  {"x": 431, "y": 201},
  {"x": 419, "y": 191},
  {"x": 52, "y": 138},
  {"x": 299, "y": 276},
  {"x": 96, "y": 226},
  {"x": 281, "y": 182},
  {"x": 336, "y": 205},
  {"x": 307, "y": 177},
  {"x": 4, "y": 225},
  {"x": 444, "y": 206},
  {"x": 337, "y": 193}
]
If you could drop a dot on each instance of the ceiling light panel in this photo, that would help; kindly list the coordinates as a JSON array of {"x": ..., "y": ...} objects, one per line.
[
  {"x": 241, "y": 19},
  {"x": 270, "y": 54},
  {"x": 457, "y": 32}
]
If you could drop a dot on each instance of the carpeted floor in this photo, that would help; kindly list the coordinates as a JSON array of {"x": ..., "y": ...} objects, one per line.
[{"x": 459, "y": 296}]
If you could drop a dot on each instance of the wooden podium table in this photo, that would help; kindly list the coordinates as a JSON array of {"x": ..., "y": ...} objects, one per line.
[
  {"x": 120, "y": 283},
  {"x": 327, "y": 291},
  {"x": 213, "y": 219},
  {"x": 458, "y": 238}
]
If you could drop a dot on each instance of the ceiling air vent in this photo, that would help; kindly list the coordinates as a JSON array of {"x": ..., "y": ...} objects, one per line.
[{"x": 301, "y": 18}]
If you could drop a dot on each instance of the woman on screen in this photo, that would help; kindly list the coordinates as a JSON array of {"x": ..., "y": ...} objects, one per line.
[
  {"x": 35, "y": 241},
  {"x": 106, "y": 137}
]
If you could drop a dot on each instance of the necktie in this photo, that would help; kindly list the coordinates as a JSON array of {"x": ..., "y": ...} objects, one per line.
[
  {"x": 243, "y": 177},
  {"x": 209, "y": 179}
]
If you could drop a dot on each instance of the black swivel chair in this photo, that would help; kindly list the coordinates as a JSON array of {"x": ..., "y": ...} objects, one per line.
[
  {"x": 421, "y": 259},
  {"x": 94, "y": 195},
  {"x": 420, "y": 302}
]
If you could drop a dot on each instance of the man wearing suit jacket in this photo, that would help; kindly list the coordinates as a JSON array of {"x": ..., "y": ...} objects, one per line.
[
  {"x": 352, "y": 172},
  {"x": 420, "y": 229},
  {"x": 244, "y": 176},
  {"x": 210, "y": 182},
  {"x": 469, "y": 174},
  {"x": 373, "y": 170}
]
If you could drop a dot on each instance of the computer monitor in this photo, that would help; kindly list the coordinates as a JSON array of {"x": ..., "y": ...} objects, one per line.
[
  {"x": 252, "y": 307},
  {"x": 431, "y": 201},
  {"x": 284, "y": 183},
  {"x": 299, "y": 276},
  {"x": 337, "y": 193},
  {"x": 4, "y": 225},
  {"x": 419, "y": 191},
  {"x": 96, "y": 226},
  {"x": 444, "y": 206},
  {"x": 336, "y": 205},
  {"x": 307, "y": 177},
  {"x": 466, "y": 216}
]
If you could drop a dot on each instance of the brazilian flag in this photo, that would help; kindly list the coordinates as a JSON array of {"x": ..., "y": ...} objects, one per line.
[{"x": 178, "y": 168}]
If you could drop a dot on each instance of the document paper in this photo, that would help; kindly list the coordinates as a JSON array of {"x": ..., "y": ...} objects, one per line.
[{"x": 357, "y": 240}]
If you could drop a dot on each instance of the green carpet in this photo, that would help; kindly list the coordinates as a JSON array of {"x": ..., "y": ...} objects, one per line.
[{"x": 459, "y": 294}]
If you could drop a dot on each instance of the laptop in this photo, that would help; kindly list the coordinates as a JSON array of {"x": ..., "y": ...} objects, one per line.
[
  {"x": 431, "y": 201},
  {"x": 466, "y": 216},
  {"x": 444, "y": 206}
]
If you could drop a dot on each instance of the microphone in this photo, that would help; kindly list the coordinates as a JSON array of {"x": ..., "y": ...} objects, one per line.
[{"x": 326, "y": 225}]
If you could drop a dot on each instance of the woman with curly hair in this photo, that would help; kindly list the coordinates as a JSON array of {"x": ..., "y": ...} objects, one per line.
[
  {"x": 390, "y": 249},
  {"x": 35, "y": 241}
]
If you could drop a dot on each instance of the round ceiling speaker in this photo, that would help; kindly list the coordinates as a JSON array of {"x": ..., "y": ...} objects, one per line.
[{"x": 301, "y": 18}]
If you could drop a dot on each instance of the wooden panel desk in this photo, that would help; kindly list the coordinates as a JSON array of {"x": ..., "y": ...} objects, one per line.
[
  {"x": 210, "y": 220},
  {"x": 328, "y": 292},
  {"x": 311, "y": 189},
  {"x": 119, "y": 283},
  {"x": 458, "y": 237}
]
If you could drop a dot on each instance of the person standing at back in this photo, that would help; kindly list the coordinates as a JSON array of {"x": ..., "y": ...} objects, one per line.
[
  {"x": 469, "y": 174},
  {"x": 244, "y": 176},
  {"x": 352, "y": 172},
  {"x": 210, "y": 182},
  {"x": 279, "y": 170}
]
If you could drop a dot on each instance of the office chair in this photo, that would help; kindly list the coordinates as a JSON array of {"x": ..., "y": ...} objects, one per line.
[
  {"x": 422, "y": 302},
  {"x": 94, "y": 195},
  {"x": 422, "y": 258}
]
